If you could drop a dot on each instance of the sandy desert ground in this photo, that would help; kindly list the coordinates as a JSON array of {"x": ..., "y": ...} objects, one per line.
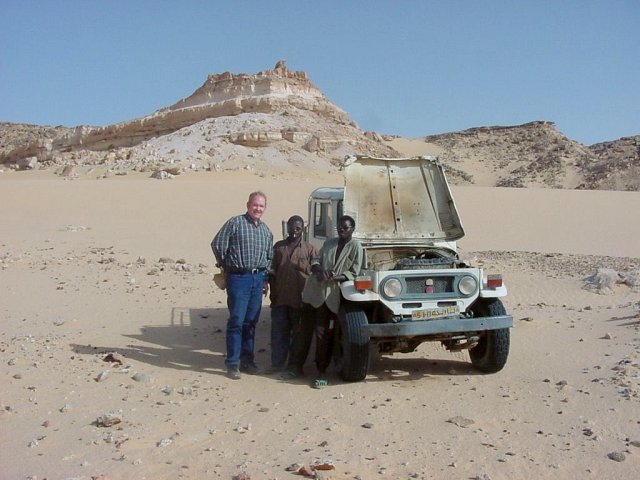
[{"x": 122, "y": 265}]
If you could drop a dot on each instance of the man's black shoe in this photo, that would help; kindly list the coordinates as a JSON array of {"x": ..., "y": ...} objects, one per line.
[
  {"x": 249, "y": 368},
  {"x": 233, "y": 372}
]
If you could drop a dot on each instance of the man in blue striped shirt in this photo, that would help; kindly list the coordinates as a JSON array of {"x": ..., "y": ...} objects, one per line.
[{"x": 243, "y": 249}]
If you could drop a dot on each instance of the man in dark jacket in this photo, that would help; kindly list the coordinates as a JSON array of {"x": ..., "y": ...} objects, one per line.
[{"x": 290, "y": 268}]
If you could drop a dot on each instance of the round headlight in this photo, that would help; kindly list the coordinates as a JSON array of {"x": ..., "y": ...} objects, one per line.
[
  {"x": 392, "y": 288},
  {"x": 467, "y": 285}
]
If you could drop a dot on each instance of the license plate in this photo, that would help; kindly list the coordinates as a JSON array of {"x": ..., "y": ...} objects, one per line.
[{"x": 431, "y": 313}]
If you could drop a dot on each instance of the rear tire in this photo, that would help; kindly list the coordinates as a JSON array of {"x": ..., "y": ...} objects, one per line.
[
  {"x": 353, "y": 362},
  {"x": 490, "y": 355}
]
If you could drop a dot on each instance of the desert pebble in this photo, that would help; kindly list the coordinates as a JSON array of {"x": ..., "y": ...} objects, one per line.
[{"x": 617, "y": 456}]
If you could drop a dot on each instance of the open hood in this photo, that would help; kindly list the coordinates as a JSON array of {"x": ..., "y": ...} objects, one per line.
[{"x": 400, "y": 201}]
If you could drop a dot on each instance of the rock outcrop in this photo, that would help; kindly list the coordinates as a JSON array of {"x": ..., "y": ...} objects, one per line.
[
  {"x": 270, "y": 91},
  {"x": 617, "y": 166},
  {"x": 278, "y": 120},
  {"x": 231, "y": 121},
  {"x": 536, "y": 154},
  {"x": 18, "y": 142},
  {"x": 222, "y": 95}
]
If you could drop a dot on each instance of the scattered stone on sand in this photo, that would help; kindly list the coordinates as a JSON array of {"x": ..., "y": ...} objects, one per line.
[
  {"x": 306, "y": 471},
  {"x": 186, "y": 391},
  {"x": 482, "y": 476},
  {"x": 165, "y": 442},
  {"x": 461, "y": 421},
  {"x": 142, "y": 377},
  {"x": 27, "y": 163},
  {"x": 68, "y": 171},
  {"x": 241, "y": 476},
  {"x": 161, "y": 175},
  {"x": 604, "y": 280},
  {"x": 76, "y": 228},
  {"x": 113, "y": 357},
  {"x": 108, "y": 419},
  {"x": 617, "y": 456},
  {"x": 323, "y": 465},
  {"x": 242, "y": 428}
]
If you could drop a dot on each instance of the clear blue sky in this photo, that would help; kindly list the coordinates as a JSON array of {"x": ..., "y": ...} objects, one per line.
[{"x": 410, "y": 68}]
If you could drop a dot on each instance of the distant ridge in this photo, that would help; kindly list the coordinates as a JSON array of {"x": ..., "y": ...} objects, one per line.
[
  {"x": 536, "y": 154},
  {"x": 277, "y": 120}
]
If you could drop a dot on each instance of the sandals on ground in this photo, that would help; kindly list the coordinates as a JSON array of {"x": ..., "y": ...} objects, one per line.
[{"x": 319, "y": 383}]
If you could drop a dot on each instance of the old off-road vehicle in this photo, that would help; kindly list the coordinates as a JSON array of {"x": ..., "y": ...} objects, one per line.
[{"x": 415, "y": 288}]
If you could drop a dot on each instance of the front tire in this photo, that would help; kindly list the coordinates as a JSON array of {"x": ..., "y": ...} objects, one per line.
[
  {"x": 490, "y": 355},
  {"x": 353, "y": 346}
]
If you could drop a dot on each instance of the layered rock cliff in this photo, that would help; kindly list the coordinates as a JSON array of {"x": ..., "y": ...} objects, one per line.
[
  {"x": 231, "y": 121},
  {"x": 278, "y": 120}
]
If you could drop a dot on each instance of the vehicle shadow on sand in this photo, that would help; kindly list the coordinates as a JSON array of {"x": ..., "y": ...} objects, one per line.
[
  {"x": 387, "y": 368},
  {"x": 391, "y": 369},
  {"x": 193, "y": 339},
  {"x": 397, "y": 368},
  {"x": 633, "y": 320}
]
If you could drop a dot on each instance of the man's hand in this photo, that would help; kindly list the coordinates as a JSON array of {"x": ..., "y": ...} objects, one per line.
[
  {"x": 220, "y": 279},
  {"x": 265, "y": 289},
  {"x": 318, "y": 272}
]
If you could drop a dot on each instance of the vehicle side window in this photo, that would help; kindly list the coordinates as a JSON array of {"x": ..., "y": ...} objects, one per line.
[
  {"x": 323, "y": 221},
  {"x": 320, "y": 220}
]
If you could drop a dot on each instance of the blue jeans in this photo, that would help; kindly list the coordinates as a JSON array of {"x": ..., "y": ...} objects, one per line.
[
  {"x": 244, "y": 300},
  {"x": 284, "y": 320}
]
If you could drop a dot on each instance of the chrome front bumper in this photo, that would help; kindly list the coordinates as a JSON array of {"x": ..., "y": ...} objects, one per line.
[{"x": 412, "y": 328}]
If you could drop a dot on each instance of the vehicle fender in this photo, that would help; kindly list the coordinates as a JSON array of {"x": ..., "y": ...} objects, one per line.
[
  {"x": 350, "y": 293},
  {"x": 494, "y": 293}
]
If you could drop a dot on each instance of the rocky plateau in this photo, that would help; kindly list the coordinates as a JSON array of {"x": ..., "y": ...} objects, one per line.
[{"x": 277, "y": 120}]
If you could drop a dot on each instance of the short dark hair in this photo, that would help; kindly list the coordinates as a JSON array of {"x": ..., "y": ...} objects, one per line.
[
  {"x": 295, "y": 218},
  {"x": 347, "y": 218}
]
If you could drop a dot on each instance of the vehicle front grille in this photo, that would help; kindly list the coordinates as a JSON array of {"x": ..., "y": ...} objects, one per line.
[{"x": 418, "y": 285}]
